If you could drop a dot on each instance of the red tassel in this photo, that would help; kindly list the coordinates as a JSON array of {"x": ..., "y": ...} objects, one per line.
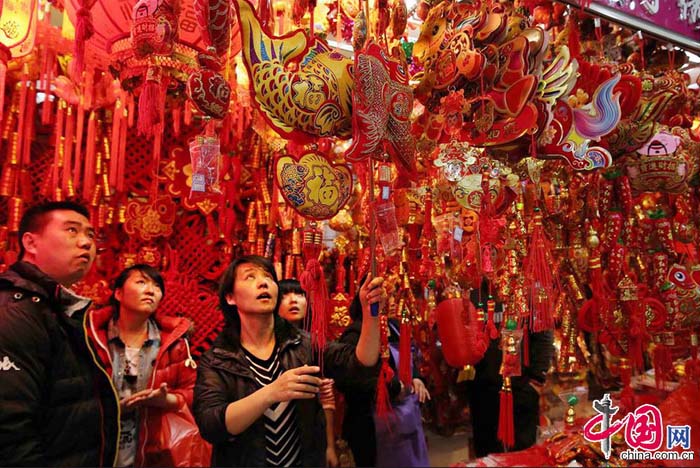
[
  {"x": 68, "y": 133},
  {"x": 574, "y": 38},
  {"x": 405, "y": 371},
  {"x": 506, "y": 426},
  {"x": 663, "y": 364},
  {"x": 90, "y": 142},
  {"x": 542, "y": 285},
  {"x": 28, "y": 128},
  {"x": 151, "y": 102},
  {"x": 83, "y": 31},
  {"x": 5, "y": 56},
  {"x": 692, "y": 365},
  {"x": 491, "y": 325},
  {"x": 383, "y": 402},
  {"x": 638, "y": 335},
  {"x": 627, "y": 394},
  {"x": 314, "y": 283},
  {"x": 117, "y": 122}
]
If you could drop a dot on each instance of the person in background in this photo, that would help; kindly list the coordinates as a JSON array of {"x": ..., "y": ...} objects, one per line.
[
  {"x": 57, "y": 404},
  {"x": 147, "y": 356},
  {"x": 484, "y": 390},
  {"x": 293, "y": 308},
  {"x": 256, "y": 396},
  {"x": 373, "y": 443}
]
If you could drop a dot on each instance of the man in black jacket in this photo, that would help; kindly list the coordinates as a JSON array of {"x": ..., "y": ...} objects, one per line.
[
  {"x": 484, "y": 396},
  {"x": 57, "y": 405}
]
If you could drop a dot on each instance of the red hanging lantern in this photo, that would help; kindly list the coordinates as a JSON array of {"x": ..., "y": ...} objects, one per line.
[
  {"x": 462, "y": 344},
  {"x": 112, "y": 24},
  {"x": 18, "y": 23}
]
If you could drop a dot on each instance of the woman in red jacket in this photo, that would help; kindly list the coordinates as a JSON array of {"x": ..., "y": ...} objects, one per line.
[{"x": 147, "y": 357}]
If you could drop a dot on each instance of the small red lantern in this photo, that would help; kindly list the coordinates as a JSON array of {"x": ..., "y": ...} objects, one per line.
[{"x": 462, "y": 344}]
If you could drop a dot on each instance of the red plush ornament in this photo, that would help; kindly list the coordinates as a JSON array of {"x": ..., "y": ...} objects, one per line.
[
  {"x": 155, "y": 28},
  {"x": 209, "y": 92},
  {"x": 382, "y": 104},
  {"x": 313, "y": 186},
  {"x": 214, "y": 18}
]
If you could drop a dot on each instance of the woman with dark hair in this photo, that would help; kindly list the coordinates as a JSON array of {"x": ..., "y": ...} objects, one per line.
[
  {"x": 398, "y": 443},
  {"x": 294, "y": 309},
  {"x": 256, "y": 396},
  {"x": 147, "y": 356}
]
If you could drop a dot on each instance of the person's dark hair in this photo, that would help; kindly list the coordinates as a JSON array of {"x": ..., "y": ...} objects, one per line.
[
  {"x": 226, "y": 286},
  {"x": 288, "y": 286},
  {"x": 142, "y": 268},
  {"x": 355, "y": 309},
  {"x": 36, "y": 217}
]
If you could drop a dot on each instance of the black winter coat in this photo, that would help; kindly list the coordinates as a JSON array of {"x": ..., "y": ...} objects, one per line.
[
  {"x": 57, "y": 406},
  {"x": 360, "y": 393},
  {"x": 224, "y": 376}
]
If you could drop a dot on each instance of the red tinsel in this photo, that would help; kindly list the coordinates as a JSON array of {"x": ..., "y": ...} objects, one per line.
[{"x": 506, "y": 426}]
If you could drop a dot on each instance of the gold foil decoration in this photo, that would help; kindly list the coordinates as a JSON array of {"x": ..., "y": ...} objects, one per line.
[
  {"x": 14, "y": 149},
  {"x": 7, "y": 180},
  {"x": 627, "y": 290},
  {"x": 101, "y": 216},
  {"x": 467, "y": 373},
  {"x": 296, "y": 241},
  {"x": 14, "y": 213},
  {"x": 578, "y": 294}
]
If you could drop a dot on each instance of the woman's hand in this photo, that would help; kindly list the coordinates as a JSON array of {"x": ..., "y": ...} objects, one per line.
[
  {"x": 158, "y": 398},
  {"x": 372, "y": 291},
  {"x": 295, "y": 384},
  {"x": 331, "y": 457},
  {"x": 420, "y": 390}
]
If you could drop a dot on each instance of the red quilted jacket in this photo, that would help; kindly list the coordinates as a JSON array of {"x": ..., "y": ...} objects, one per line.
[{"x": 174, "y": 366}]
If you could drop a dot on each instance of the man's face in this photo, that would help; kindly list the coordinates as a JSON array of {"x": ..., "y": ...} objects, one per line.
[
  {"x": 254, "y": 290},
  {"x": 64, "y": 249}
]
